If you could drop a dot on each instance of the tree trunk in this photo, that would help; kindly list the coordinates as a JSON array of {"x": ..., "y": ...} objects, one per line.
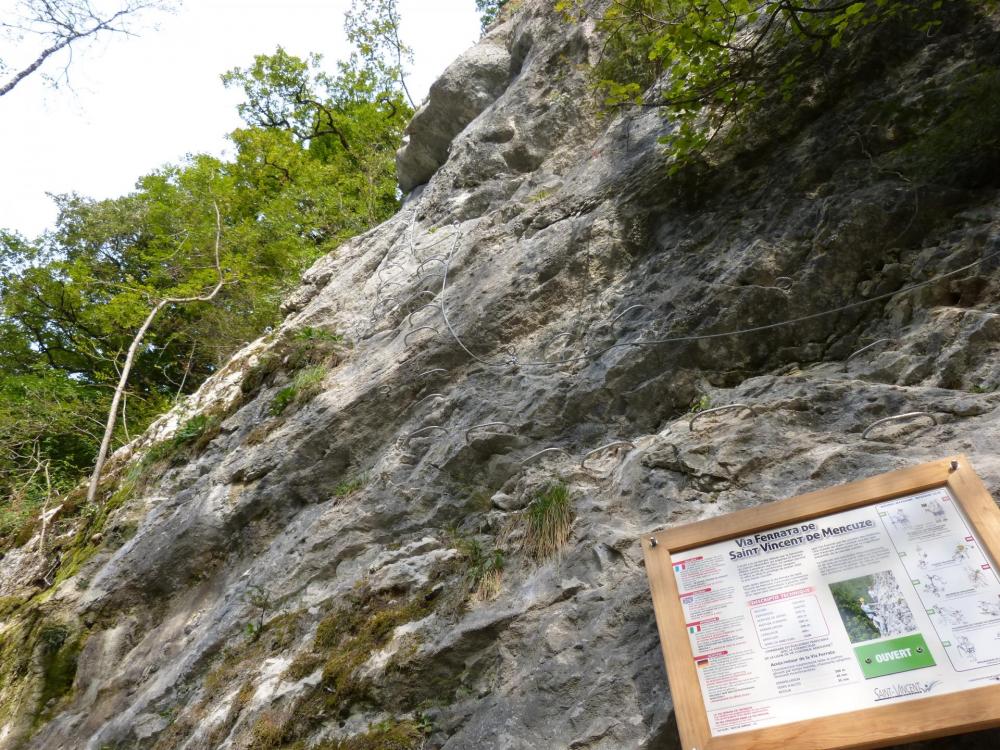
[{"x": 109, "y": 427}]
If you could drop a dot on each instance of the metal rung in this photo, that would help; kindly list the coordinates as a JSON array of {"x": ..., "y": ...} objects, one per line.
[
  {"x": 896, "y": 418},
  {"x": 383, "y": 285},
  {"x": 615, "y": 444},
  {"x": 427, "y": 276},
  {"x": 385, "y": 390},
  {"x": 432, "y": 372},
  {"x": 627, "y": 310},
  {"x": 433, "y": 259},
  {"x": 543, "y": 452},
  {"x": 863, "y": 349},
  {"x": 435, "y": 305},
  {"x": 728, "y": 407},
  {"x": 378, "y": 303},
  {"x": 421, "y": 293},
  {"x": 784, "y": 283},
  {"x": 390, "y": 264},
  {"x": 443, "y": 238},
  {"x": 488, "y": 424},
  {"x": 429, "y": 397},
  {"x": 406, "y": 338},
  {"x": 425, "y": 429}
]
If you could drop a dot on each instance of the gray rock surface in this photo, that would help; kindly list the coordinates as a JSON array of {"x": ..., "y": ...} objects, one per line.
[
  {"x": 468, "y": 86},
  {"x": 551, "y": 226}
]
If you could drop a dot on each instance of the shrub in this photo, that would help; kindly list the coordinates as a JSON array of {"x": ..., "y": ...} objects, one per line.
[
  {"x": 191, "y": 430},
  {"x": 350, "y": 486},
  {"x": 386, "y": 735},
  {"x": 304, "y": 348},
  {"x": 728, "y": 61},
  {"x": 489, "y": 11},
  {"x": 484, "y": 570},
  {"x": 304, "y": 386},
  {"x": 703, "y": 402},
  {"x": 268, "y": 732},
  {"x": 549, "y": 520}
]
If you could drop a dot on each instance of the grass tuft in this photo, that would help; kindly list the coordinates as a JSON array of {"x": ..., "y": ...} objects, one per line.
[
  {"x": 305, "y": 385},
  {"x": 350, "y": 486},
  {"x": 549, "y": 520},
  {"x": 307, "y": 347},
  {"x": 386, "y": 735},
  {"x": 483, "y": 570}
]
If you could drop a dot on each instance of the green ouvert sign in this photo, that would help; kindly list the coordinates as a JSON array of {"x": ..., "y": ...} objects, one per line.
[{"x": 894, "y": 655}]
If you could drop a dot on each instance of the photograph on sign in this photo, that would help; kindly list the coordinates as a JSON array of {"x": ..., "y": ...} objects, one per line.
[{"x": 888, "y": 595}]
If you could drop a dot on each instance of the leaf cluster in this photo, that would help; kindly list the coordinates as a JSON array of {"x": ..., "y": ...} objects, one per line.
[
  {"x": 489, "y": 11},
  {"x": 712, "y": 65},
  {"x": 313, "y": 166}
]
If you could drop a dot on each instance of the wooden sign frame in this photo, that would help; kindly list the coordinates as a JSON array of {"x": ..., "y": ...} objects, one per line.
[{"x": 909, "y": 721}]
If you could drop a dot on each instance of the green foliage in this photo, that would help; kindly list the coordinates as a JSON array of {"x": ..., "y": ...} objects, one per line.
[
  {"x": 306, "y": 347},
  {"x": 197, "y": 432},
  {"x": 489, "y": 11},
  {"x": 704, "y": 401},
  {"x": 712, "y": 66},
  {"x": 483, "y": 570},
  {"x": 191, "y": 429},
  {"x": 305, "y": 385},
  {"x": 391, "y": 734},
  {"x": 548, "y": 521},
  {"x": 259, "y": 599},
  {"x": 350, "y": 486},
  {"x": 372, "y": 26},
  {"x": 849, "y": 595},
  {"x": 314, "y": 166}
]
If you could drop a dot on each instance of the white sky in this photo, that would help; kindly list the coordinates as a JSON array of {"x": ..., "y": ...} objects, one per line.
[{"x": 138, "y": 103}]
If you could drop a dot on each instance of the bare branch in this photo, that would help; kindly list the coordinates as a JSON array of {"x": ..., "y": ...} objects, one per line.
[
  {"x": 109, "y": 427},
  {"x": 61, "y": 25}
]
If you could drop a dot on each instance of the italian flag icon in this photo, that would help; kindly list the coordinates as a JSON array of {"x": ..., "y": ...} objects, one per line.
[
  {"x": 694, "y": 628},
  {"x": 678, "y": 567}
]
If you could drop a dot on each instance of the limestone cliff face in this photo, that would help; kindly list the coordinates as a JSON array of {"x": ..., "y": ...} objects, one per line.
[{"x": 542, "y": 252}]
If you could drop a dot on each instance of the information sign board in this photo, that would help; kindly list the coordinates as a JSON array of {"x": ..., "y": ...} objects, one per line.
[{"x": 864, "y": 615}]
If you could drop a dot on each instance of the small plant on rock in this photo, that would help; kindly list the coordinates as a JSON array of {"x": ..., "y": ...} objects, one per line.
[
  {"x": 296, "y": 351},
  {"x": 259, "y": 598},
  {"x": 701, "y": 403},
  {"x": 548, "y": 521},
  {"x": 350, "y": 486},
  {"x": 304, "y": 386},
  {"x": 484, "y": 570}
]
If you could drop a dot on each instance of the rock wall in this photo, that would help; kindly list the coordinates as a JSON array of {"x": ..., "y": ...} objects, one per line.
[{"x": 319, "y": 567}]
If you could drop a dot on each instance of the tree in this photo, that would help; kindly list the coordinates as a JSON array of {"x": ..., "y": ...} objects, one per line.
[
  {"x": 711, "y": 65},
  {"x": 336, "y": 133},
  {"x": 489, "y": 11},
  {"x": 126, "y": 368},
  {"x": 56, "y": 26},
  {"x": 373, "y": 27},
  {"x": 95, "y": 341}
]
